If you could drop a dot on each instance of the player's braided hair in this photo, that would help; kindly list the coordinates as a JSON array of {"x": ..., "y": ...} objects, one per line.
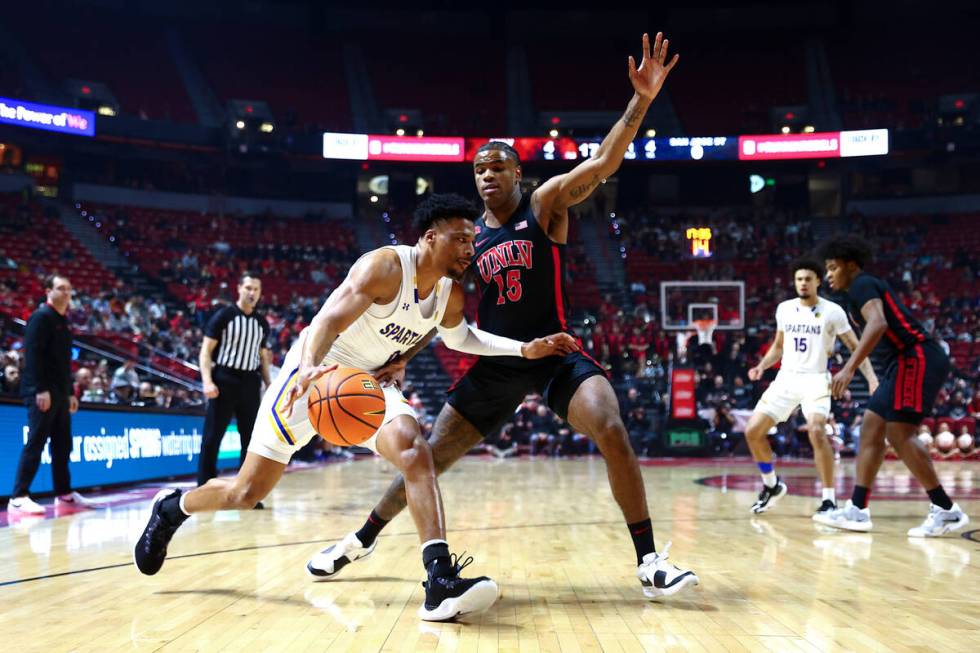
[
  {"x": 445, "y": 206},
  {"x": 807, "y": 263},
  {"x": 845, "y": 247}
]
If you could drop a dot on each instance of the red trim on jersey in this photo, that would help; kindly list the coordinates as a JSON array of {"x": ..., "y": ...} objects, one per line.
[
  {"x": 919, "y": 377},
  {"x": 559, "y": 302},
  {"x": 895, "y": 339},
  {"x": 901, "y": 318}
]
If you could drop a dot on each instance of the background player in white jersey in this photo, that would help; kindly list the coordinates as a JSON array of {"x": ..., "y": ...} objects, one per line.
[
  {"x": 805, "y": 331},
  {"x": 391, "y": 297}
]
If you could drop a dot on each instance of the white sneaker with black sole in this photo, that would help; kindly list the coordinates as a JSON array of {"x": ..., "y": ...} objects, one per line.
[
  {"x": 449, "y": 597},
  {"x": 328, "y": 563},
  {"x": 939, "y": 522},
  {"x": 661, "y": 578},
  {"x": 848, "y": 518},
  {"x": 769, "y": 496}
]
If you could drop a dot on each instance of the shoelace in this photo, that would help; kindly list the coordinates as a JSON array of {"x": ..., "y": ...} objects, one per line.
[
  {"x": 663, "y": 554},
  {"x": 458, "y": 566}
]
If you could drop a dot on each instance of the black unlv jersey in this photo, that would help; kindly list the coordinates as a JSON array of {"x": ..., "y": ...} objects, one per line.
[{"x": 520, "y": 273}]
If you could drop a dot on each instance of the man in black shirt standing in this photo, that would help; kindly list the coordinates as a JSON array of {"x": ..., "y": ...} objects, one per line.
[
  {"x": 915, "y": 369},
  {"x": 233, "y": 385},
  {"x": 47, "y": 390}
]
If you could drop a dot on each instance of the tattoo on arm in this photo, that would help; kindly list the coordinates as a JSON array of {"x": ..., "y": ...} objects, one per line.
[
  {"x": 633, "y": 116},
  {"x": 585, "y": 189}
]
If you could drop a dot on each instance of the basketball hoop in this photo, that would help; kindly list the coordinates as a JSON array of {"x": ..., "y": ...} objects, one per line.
[{"x": 706, "y": 329}]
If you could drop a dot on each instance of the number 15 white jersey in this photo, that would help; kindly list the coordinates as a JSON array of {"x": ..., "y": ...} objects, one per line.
[{"x": 809, "y": 333}]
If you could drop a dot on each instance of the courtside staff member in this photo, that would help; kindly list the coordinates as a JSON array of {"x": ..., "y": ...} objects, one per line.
[{"x": 234, "y": 362}]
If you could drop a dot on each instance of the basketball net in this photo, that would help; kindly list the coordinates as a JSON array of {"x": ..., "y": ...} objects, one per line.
[{"x": 705, "y": 330}]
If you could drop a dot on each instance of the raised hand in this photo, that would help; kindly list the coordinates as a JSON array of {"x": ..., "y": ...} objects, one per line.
[
  {"x": 650, "y": 76},
  {"x": 557, "y": 344}
]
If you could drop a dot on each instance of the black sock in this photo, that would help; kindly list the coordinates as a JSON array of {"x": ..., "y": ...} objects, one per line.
[
  {"x": 435, "y": 559},
  {"x": 860, "y": 496},
  {"x": 370, "y": 529},
  {"x": 939, "y": 497},
  {"x": 642, "y": 534}
]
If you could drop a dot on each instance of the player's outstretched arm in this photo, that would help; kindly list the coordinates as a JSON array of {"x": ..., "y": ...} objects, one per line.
[
  {"x": 875, "y": 326},
  {"x": 851, "y": 342},
  {"x": 376, "y": 276},
  {"x": 459, "y": 335},
  {"x": 566, "y": 190},
  {"x": 774, "y": 353}
]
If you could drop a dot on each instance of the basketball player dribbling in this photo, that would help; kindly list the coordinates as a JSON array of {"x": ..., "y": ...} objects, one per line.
[
  {"x": 520, "y": 267},
  {"x": 916, "y": 368},
  {"x": 391, "y": 298},
  {"x": 806, "y": 328}
]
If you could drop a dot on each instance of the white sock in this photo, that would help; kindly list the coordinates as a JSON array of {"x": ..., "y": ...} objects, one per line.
[
  {"x": 769, "y": 478},
  {"x": 181, "y": 503},
  {"x": 828, "y": 494},
  {"x": 428, "y": 542}
]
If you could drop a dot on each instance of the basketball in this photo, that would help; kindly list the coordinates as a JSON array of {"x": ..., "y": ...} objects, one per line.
[
  {"x": 346, "y": 406},
  {"x": 965, "y": 443},
  {"x": 945, "y": 441}
]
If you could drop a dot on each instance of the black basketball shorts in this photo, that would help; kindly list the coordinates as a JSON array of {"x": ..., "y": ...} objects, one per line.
[
  {"x": 490, "y": 392},
  {"x": 911, "y": 383}
]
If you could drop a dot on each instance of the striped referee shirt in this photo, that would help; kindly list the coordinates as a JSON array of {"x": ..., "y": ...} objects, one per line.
[{"x": 239, "y": 336}]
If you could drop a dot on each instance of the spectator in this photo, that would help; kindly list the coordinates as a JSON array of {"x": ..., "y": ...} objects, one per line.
[
  {"x": 11, "y": 380},
  {"x": 83, "y": 381},
  {"x": 126, "y": 375}
]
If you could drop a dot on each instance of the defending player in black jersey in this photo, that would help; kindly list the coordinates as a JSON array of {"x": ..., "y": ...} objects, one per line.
[
  {"x": 915, "y": 369},
  {"x": 520, "y": 259}
]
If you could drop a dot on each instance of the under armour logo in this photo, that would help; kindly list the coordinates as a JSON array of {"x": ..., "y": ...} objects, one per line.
[{"x": 405, "y": 306}]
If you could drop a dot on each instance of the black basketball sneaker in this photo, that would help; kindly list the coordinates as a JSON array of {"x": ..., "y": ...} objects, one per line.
[
  {"x": 165, "y": 518},
  {"x": 448, "y": 597},
  {"x": 769, "y": 496}
]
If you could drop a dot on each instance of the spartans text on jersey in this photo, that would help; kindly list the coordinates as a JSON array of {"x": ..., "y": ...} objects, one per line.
[{"x": 400, "y": 334}]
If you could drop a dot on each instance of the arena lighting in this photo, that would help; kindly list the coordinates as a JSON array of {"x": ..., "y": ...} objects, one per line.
[
  {"x": 651, "y": 133},
  {"x": 959, "y": 103},
  {"x": 240, "y": 124},
  {"x": 420, "y": 133},
  {"x": 555, "y": 120},
  {"x": 808, "y": 129},
  {"x": 553, "y": 133},
  {"x": 105, "y": 110},
  {"x": 266, "y": 128},
  {"x": 784, "y": 129},
  {"x": 399, "y": 132},
  {"x": 374, "y": 199}
]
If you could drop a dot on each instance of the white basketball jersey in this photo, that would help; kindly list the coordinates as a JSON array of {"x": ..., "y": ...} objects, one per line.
[
  {"x": 809, "y": 333},
  {"x": 382, "y": 332}
]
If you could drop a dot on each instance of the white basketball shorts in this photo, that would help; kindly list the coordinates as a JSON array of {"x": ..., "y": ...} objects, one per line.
[{"x": 810, "y": 391}]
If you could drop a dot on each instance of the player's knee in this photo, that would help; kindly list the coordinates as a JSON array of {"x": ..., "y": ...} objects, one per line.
[
  {"x": 416, "y": 459},
  {"x": 612, "y": 438}
]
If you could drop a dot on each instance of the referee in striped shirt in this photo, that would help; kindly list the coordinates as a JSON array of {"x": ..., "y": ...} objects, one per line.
[{"x": 234, "y": 362}]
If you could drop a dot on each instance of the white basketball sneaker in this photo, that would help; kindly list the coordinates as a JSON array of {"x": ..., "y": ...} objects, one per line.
[
  {"x": 328, "y": 563},
  {"x": 939, "y": 522},
  {"x": 848, "y": 518},
  {"x": 73, "y": 499},
  {"x": 661, "y": 578},
  {"x": 25, "y": 505}
]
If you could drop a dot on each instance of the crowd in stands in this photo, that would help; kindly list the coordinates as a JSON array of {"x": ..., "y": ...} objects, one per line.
[{"x": 194, "y": 259}]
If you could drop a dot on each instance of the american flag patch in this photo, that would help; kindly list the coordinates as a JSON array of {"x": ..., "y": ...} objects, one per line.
[{"x": 521, "y": 225}]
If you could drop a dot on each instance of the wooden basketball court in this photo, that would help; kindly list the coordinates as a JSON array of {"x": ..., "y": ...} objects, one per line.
[{"x": 547, "y": 530}]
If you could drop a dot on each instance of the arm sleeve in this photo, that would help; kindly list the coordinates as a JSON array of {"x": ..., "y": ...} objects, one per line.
[
  {"x": 217, "y": 323},
  {"x": 471, "y": 340}
]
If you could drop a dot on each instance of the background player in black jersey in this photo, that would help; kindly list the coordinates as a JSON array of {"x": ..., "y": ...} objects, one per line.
[
  {"x": 520, "y": 266},
  {"x": 916, "y": 367}
]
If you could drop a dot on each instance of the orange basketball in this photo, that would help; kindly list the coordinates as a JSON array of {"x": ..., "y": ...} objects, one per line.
[{"x": 346, "y": 406}]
